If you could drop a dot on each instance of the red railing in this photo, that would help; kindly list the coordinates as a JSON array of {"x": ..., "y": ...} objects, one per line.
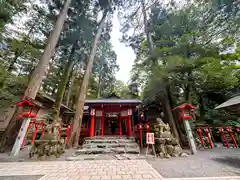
[{"x": 205, "y": 131}]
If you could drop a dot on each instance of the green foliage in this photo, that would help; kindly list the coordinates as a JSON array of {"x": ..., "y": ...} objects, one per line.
[
  {"x": 13, "y": 89},
  {"x": 194, "y": 63}
]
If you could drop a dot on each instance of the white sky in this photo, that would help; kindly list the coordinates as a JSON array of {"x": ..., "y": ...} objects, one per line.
[{"x": 125, "y": 55}]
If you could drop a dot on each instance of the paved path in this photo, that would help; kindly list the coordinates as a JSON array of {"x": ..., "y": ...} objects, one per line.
[
  {"x": 84, "y": 170},
  {"x": 88, "y": 170}
]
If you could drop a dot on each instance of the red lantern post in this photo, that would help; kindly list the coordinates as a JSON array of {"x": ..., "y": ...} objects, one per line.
[
  {"x": 28, "y": 110},
  {"x": 185, "y": 116},
  {"x": 231, "y": 134}
]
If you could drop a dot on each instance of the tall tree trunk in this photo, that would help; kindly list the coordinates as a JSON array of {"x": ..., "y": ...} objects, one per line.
[
  {"x": 34, "y": 84},
  {"x": 166, "y": 103},
  {"x": 69, "y": 92},
  {"x": 99, "y": 85},
  {"x": 169, "y": 115},
  {"x": 146, "y": 28},
  {"x": 182, "y": 139},
  {"x": 40, "y": 70},
  {"x": 63, "y": 83},
  {"x": 77, "y": 121}
]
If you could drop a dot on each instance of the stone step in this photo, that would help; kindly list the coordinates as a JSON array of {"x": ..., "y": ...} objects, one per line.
[
  {"x": 108, "y": 141},
  {"x": 107, "y": 151},
  {"x": 111, "y": 145},
  {"x": 111, "y": 137}
]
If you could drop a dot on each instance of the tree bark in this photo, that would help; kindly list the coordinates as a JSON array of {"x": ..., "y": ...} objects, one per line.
[
  {"x": 146, "y": 28},
  {"x": 168, "y": 112},
  {"x": 69, "y": 92},
  {"x": 63, "y": 83},
  {"x": 77, "y": 121},
  {"x": 40, "y": 70},
  {"x": 99, "y": 85}
]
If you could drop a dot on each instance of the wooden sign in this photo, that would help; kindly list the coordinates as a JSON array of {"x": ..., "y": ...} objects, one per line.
[
  {"x": 150, "y": 142},
  {"x": 150, "y": 138}
]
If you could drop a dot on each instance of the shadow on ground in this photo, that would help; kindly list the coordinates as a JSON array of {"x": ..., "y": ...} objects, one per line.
[
  {"x": 207, "y": 163},
  {"x": 229, "y": 161}
]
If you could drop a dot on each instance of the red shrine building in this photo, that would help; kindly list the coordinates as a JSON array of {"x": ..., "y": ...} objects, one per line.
[{"x": 100, "y": 114}]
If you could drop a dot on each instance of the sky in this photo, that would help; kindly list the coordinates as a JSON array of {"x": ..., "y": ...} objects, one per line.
[{"x": 125, "y": 55}]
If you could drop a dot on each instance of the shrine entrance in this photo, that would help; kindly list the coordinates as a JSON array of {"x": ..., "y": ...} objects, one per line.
[
  {"x": 111, "y": 116},
  {"x": 111, "y": 123}
]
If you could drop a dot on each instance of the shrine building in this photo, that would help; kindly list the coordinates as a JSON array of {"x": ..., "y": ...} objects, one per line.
[{"x": 100, "y": 113}]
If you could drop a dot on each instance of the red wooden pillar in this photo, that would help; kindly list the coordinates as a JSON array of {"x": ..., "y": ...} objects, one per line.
[
  {"x": 35, "y": 132},
  {"x": 43, "y": 128},
  {"x": 120, "y": 125},
  {"x": 102, "y": 123},
  {"x": 129, "y": 122},
  {"x": 68, "y": 133},
  {"x": 221, "y": 131},
  {"x": 231, "y": 134},
  {"x": 206, "y": 129},
  {"x": 199, "y": 132},
  {"x": 92, "y": 126},
  {"x": 140, "y": 135}
]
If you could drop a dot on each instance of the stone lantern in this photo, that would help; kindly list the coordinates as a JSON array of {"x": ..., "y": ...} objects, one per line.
[
  {"x": 28, "y": 110},
  {"x": 184, "y": 111}
]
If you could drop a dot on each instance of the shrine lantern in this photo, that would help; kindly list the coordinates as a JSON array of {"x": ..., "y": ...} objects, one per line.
[
  {"x": 28, "y": 109},
  {"x": 185, "y": 111},
  {"x": 185, "y": 115}
]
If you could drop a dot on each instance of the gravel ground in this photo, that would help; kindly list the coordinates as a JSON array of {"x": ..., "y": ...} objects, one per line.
[
  {"x": 20, "y": 177},
  {"x": 207, "y": 163}
]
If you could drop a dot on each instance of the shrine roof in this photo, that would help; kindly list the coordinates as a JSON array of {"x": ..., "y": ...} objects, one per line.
[
  {"x": 113, "y": 99},
  {"x": 231, "y": 102}
]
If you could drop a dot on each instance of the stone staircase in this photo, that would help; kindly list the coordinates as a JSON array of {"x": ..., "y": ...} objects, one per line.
[{"x": 109, "y": 145}]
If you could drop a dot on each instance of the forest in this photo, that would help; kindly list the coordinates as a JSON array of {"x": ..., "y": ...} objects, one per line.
[{"x": 186, "y": 51}]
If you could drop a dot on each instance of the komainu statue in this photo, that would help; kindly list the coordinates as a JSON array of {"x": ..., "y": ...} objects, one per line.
[
  {"x": 165, "y": 144},
  {"x": 49, "y": 144}
]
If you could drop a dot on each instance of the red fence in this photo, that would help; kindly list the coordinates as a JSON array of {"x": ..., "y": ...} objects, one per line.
[{"x": 206, "y": 131}]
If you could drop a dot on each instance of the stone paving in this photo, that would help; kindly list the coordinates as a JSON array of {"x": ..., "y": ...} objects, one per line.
[
  {"x": 83, "y": 170},
  {"x": 88, "y": 170},
  {"x": 20, "y": 177}
]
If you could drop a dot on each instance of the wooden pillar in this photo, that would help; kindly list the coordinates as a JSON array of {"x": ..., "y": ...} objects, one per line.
[
  {"x": 92, "y": 126},
  {"x": 102, "y": 124},
  {"x": 120, "y": 126},
  {"x": 129, "y": 122}
]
